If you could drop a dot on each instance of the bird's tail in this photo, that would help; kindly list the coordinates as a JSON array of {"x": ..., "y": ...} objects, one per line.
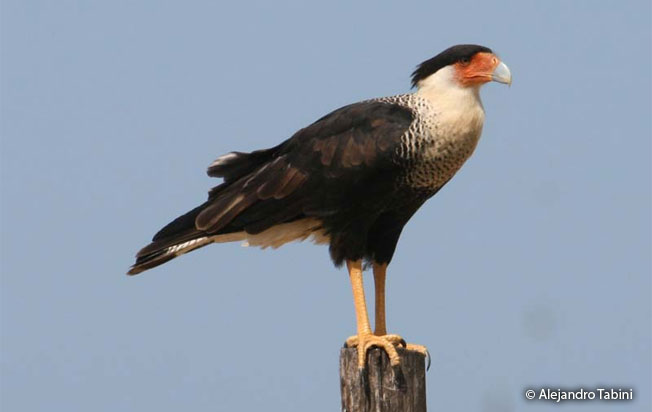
[
  {"x": 182, "y": 235},
  {"x": 178, "y": 237},
  {"x": 159, "y": 256}
]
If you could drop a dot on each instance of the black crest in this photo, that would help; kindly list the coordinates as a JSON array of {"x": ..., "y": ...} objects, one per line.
[{"x": 443, "y": 59}]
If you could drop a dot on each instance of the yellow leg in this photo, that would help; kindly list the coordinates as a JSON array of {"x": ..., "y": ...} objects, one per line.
[
  {"x": 365, "y": 338},
  {"x": 359, "y": 300},
  {"x": 380, "y": 275},
  {"x": 380, "y": 272}
]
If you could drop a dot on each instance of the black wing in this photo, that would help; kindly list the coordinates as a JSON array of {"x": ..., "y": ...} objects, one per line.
[{"x": 344, "y": 159}]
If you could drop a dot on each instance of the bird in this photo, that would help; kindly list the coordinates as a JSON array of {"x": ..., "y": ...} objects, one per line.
[{"x": 350, "y": 180}]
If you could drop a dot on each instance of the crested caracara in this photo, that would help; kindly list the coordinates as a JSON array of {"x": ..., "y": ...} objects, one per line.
[{"x": 351, "y": 180}]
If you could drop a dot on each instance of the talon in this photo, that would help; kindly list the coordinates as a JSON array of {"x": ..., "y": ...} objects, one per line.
[
  {"x": 396, "y": 340},
  {"x": 366, "y": 341}
]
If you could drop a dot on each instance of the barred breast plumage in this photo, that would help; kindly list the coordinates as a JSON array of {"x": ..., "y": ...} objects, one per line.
[{"x": 439, "y": 140}]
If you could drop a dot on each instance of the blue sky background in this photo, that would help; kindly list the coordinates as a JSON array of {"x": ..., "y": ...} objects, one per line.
[{"x": 530, "y": 269}]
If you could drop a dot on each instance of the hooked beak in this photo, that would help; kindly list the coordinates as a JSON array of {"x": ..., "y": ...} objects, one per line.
[{"x": 501, "y": 74}]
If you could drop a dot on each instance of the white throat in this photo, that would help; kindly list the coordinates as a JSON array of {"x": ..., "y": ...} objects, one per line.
[
  {"x": 442, "y": 87},
  {"x": 456, "y": 107}
]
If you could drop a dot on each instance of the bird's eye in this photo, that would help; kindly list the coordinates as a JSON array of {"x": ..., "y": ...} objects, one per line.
[{"x": 465, "y": 60}]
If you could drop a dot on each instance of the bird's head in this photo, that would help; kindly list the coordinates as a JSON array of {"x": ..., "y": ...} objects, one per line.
[{"x": 464, "y": 65}]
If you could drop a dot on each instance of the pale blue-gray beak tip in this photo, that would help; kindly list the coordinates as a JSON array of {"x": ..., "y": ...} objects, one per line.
[{"x": 501, "y": 74}]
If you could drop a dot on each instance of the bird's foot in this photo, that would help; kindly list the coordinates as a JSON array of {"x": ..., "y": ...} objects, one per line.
[
  {"x": 394, "y": 340},
  {"x": 365, "y": 341}
]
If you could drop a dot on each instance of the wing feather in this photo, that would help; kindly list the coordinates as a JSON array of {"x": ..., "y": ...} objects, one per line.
[
  {"x": 346, "y": 157},
  {"x": 317, "y": 167}
]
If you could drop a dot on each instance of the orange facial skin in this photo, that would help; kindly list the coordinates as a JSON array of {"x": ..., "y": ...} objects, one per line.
[{"x": 478, "y": 70}]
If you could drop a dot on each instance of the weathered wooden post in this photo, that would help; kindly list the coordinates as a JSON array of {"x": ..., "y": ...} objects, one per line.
[{"x": 377, "y": 392}]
